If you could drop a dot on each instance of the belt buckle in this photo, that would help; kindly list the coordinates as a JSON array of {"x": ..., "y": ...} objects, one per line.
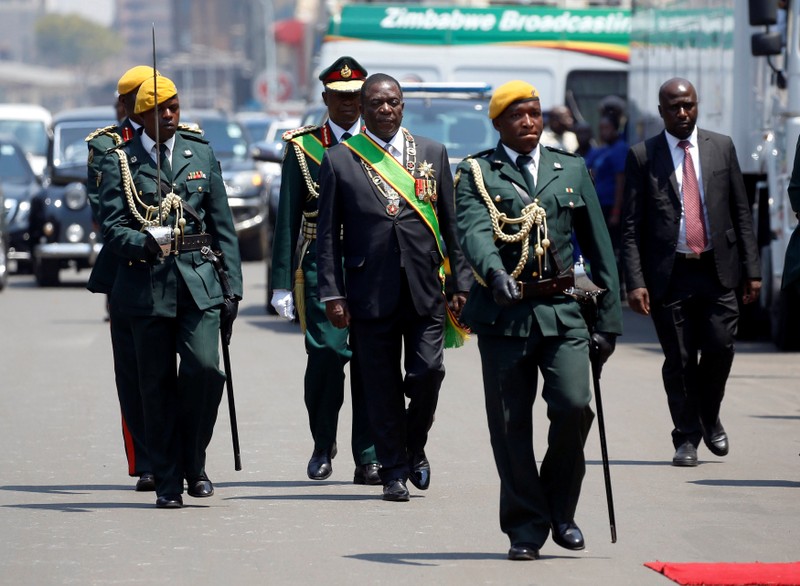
[
  {"x": 521, "y": 287},
  {"x": 692, "y": 256}
]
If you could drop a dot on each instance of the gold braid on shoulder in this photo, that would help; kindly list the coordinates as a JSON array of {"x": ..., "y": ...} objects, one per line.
[
  {"x": 313, "y": 186},
  {"x": 169, "y": 202},
  {"x": 533, "y": 215},
  {"x": 107, "y": 130}
]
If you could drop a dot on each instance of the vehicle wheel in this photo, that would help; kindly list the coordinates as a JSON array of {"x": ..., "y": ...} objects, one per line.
[
  {"x": 3, "y": 266},
  {"x": 46, "y": 272},
  {"x": 254, "y": 247},
  {"x": 785, "y": 314}
]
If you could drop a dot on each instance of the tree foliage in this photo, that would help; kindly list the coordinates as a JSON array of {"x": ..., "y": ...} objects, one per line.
[{"x": 70, "y": 40}]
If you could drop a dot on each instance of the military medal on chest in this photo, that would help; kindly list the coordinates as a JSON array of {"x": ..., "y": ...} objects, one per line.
[{"x": 425, "y": 186}]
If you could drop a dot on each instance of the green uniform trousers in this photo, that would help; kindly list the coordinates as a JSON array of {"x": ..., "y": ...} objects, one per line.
[
  {"x": 328, "y": 353},
  {"x": 531, "y": 499}
]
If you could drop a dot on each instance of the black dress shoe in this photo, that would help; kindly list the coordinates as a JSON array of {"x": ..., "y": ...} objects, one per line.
[
  {"x": 396, "y": 491},
  {"x": 320, "y": 466},
  {"x": 523, "y": 552},
  {"x": 717, "y": 441},
  {"x": 146, "y": 483},
  {"x": 685, "y": 455},
  {"x": 420, "y": 475},
  {"x": 367, "y": 474},
  {"x": 200, "y": 487},
  {"x": 568, "y": 535},
  {"x": 169, "y": 501}
]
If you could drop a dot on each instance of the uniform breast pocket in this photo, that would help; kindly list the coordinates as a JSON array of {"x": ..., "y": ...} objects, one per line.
[{"x": 567, "y": 205}]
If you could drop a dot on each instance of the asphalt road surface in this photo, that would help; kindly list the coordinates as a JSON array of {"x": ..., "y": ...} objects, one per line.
[{"x": 69, "y": 514}]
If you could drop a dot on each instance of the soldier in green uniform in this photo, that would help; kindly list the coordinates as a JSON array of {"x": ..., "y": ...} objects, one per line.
[
  {"x": 517, "y": 206},
  {"x": 160, "y": 223},
  {"x": 101, "y": 280},
  {"x": 296, "y": 268}
]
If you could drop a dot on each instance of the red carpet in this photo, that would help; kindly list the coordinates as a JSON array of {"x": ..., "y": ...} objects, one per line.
[{"x": 745, "y": 574}]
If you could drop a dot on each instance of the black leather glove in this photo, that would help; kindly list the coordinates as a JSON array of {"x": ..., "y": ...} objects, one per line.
[
  {"x": 601, "y": 346},
  {"x": 504, "y": 288},
  {"x": 227, "y": 314},
  {"x": 151, "y": 248}
]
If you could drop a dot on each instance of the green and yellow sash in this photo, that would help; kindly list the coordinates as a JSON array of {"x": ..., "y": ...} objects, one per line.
[
  {"x": 396, "y": 176},
  {"x": 311, "y": 146}
]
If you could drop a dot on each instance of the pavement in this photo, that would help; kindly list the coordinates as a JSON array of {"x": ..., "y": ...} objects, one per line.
[{"x": 69, "y": 514}]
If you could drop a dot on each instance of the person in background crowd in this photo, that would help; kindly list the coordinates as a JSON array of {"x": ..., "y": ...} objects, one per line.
[{"x": 559, "y": 132}]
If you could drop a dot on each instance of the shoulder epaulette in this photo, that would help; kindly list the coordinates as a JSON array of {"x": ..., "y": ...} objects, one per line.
[
  {"x": 191, "y": 128},
  {"x": 290, "y": 134},
  {"x": 560, "y": 151},
  {"x": 480, "y": 154},
  {"x": 107, "y": 130},
  {"x": 192, "y": 132}
]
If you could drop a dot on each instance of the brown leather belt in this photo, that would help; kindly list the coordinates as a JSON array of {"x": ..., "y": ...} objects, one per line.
[
  {"x": 546, "y": 287},
  {"x": 192, "y": 242}
]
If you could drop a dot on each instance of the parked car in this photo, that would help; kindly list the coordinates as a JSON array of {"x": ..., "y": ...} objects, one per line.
[
  {"x": 30, "y": 125},
  {"x": 19, "y": 185},
  {"x": 62, "y": 231},
  {"x": 3, "y": 245},
  {"x": 255, "y": 124},
  {"x": 247, "y": 188}
]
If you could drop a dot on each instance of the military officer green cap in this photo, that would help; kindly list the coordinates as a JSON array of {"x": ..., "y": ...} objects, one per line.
[
  {"x": 345, "y": 75},
  {"x": 508, "y": 93}
]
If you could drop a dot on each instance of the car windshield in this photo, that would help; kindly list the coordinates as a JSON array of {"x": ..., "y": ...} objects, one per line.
[
  {"x": 461, "y": 125},
  {"x": 226, "y": 138},
  {"x": 14, "y": 167},
  {"x": 30, "y": 134},
  {"x": 69, "y": 141}
]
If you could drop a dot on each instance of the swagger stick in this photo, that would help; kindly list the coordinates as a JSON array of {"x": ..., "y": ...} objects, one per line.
[
  {"x": 227, "y": 292},
  {"x": 596, "y": 368},
  {"x": 157, "y": 124}
]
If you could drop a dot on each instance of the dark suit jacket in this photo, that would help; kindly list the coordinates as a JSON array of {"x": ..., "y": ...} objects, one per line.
[
  {"x": 376, "y": 245},
  {"x": 142, "y": 288},
  {"x": 652, "y": 212}
]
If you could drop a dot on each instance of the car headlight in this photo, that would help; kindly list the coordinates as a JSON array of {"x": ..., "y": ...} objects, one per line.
[
  {"x": 244, "y": 184},
  {"x": 74, "y": 233},
  {"x": 75, "y": 196}
]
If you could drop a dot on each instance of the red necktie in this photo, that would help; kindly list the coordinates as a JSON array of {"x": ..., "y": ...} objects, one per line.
[{"x": 692, "y": 206}]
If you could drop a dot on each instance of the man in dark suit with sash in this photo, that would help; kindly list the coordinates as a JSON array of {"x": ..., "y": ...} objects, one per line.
[
  {"x": 163, "y": 204},
  {"x": 389, "y": 195},
  {"x": 518, "y": 206},
  {"x": 294, "y": 276}
]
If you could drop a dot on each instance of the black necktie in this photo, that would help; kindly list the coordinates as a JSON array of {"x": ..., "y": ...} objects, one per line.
[
  {"x": 165, "y": 164},
  {"x": 345, "y": 136},
  {"x": 522, "y": 162}
]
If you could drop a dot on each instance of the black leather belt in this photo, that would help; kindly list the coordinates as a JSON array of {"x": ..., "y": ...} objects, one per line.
[
  {"x": 192, "y": 242},
  {"x": 694, "y": 255},
  {"x": 546, "y": 287}
]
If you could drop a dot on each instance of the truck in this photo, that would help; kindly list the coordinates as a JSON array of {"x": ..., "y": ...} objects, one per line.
[
  {"x": 574, "y": 56},
  {"x": 743, "y": 57}
]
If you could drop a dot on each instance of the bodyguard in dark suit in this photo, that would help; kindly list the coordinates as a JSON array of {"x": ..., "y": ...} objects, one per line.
[
  {"x": 390, "y": 195},
  {"x": 294, "y": 273},
  {"x": 101, "y": 280},
  {"x": 518, "y": 205},
  {"x": 157, "y": 226},
  {"x": 688, "y": 244}
]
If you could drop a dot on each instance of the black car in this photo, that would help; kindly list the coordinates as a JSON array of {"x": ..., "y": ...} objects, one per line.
[
  {"x": 248, "y": 189},
  {"x": 3, "y": 246},
  {"x": 19, "y": 185},
  {"x": 62, "y": 231}
]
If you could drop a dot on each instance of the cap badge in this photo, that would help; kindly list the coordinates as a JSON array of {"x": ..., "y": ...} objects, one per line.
[{"x": 346, "y": 72}]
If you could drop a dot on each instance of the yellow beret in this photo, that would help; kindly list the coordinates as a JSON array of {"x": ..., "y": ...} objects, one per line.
[
  {"x": 145, "y": 99},
  {"x": 133, "y": 78},
  {"x": 508, "y": 93}
]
